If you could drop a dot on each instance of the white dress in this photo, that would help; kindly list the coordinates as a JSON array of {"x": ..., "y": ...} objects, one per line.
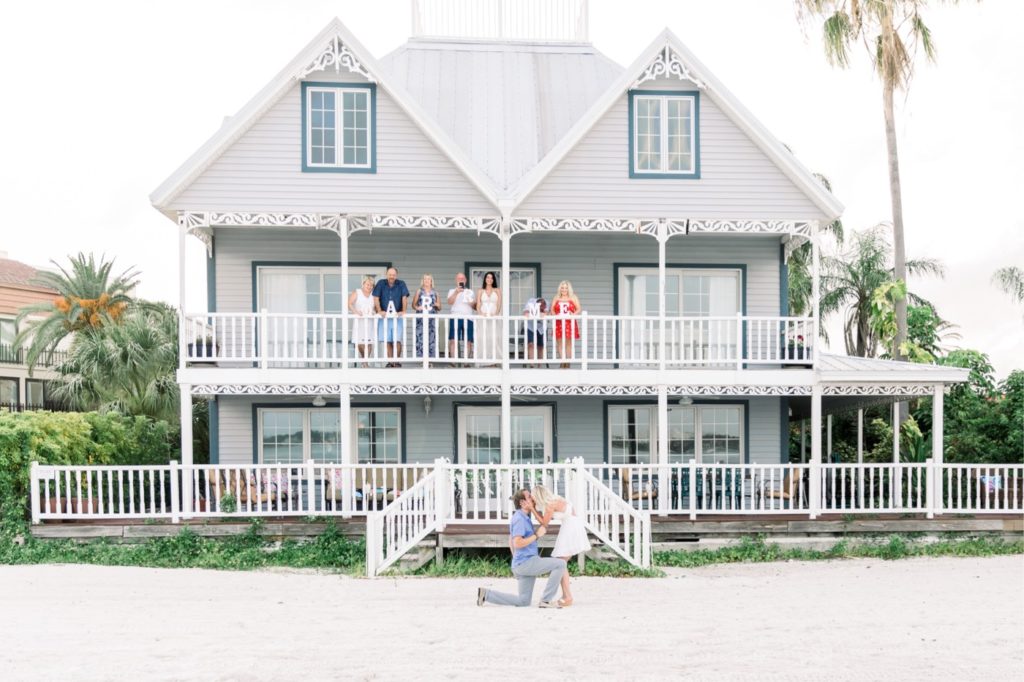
[
  {"x": 488, "y": 331},
  {"x": 572, "y": 535},
  {"x": 364, "y": 329}
]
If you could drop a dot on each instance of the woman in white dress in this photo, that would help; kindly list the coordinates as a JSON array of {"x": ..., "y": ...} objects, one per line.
[
  {"x": 572, "y": 536},
  {"x": 364, "y": 327},
  {"x": 488, "y": 331}
]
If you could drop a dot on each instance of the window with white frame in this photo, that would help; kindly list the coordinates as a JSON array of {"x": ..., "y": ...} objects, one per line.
[
  {"x": 479, "y": 434},
  {"x": 664, "y": 142},
  {"x": 705, "y": 433},
  {"x": 295, "y": 435},
  {"x": 309, "y": 289},
  {"x": 339, "y": 122}
]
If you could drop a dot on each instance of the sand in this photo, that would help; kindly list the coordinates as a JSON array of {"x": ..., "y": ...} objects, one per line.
[{"x": 860, "y": 619}]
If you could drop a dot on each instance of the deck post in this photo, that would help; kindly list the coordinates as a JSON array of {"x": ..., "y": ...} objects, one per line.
[
  {"x": 175, "y": 505},
  {"x": 938, "y": 456},
  {"x": 860, "y": 436},
  {"x": 692, "y": 503},
  {"x": 506, "y": 422},
  {"x": 348, "y": 455},
  {"x": 803, "y": 441},
  {"x": 343, "y": 235},
  {"x": 182, "y": 230},
  {"x": 815, "y": 290},
  {"x": 896, "y": 432},
  {"x": 828, "y": 438},
  {"x": 662, "y": 278},
  {"x": 929, "y": 482},
  {"x": 896, "y": 482},
  {"x": 441, "y": 474},
  {"x": 33, "y": 491},
  {"x": 185, "y": 401},
  {"x": 815, "y": 467},
  {"x": 664, "y": 484},
  {"x": 506, "y": 264},
  {"x": 310, "y": 488}
]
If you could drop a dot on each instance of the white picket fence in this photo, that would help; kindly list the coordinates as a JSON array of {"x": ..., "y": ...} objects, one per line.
[{"x": 583, "y": 341}]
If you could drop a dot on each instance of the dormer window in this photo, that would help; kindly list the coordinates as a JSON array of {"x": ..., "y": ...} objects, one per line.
[
  {"x": 339, "y": 127},
  {"x": 664, "y": 134}
]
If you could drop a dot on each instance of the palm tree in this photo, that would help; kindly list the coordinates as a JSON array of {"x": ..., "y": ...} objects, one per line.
[
  {"x": 1011, "y": 280},
  {"x": 849, "y": 282},
  {"x": 800, "y": 284},
  {"x": 891, "y": 31},
  {"x": 88, "y": 298},
  {"x": 126, "y": 367}
]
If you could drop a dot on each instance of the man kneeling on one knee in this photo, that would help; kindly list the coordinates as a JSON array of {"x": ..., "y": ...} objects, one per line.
[{"x": 527, "y": 563}]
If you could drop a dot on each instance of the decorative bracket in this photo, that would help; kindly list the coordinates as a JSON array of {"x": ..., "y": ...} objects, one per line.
[
  {"x": 668, "y": 65},
  {"x": 198, "y": 225},
  {"x": 336, "y": 54}
]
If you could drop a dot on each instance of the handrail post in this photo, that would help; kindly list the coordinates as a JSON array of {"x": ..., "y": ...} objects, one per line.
[
  {"x": 739, "y": 341},
  {"x": 584, "y": 349},
  {"x": 33, "y": 495},
  {"x": 175, "y": 501},
  {"x": 441, "y": 493},
  {"x": 929, "y": 493},
  {"x": 182, "y": 331},
  {"x": 261, "y": 347},
  {"x": 692, "y": 473},
  {"x": 425, "y": 336},
  {"x": 310, "y": 488},
  {"x": 816, "y": 488},
  {"x": 580, "y": 503},
  {"x": 371, "y": 551}
]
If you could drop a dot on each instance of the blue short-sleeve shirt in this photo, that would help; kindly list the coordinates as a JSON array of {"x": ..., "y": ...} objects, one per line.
[
  {"x": 520, "y": 527},
  {"x": 390, "y": 294}
]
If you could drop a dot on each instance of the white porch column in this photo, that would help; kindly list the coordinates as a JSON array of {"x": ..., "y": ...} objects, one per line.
[
  {"x": 896, "y": 433},
  {"x": 662, "y": 244},
  {"x": 348, "y": 452},
  {"x": 814, "y": 493},
  {"x": 343, "y": 235},
  {"x": 506, "y": 422},
  {"x": 803, "y": 440},
  {"x": 860, "y": 436},
  {"x": 506, "y": 266},
  {"x": 185, "y": 402},
  {"x": 937, "y": 424},
  {"x": 828, "y": 438},
  {"x": 664, "y": 482},
  {"x": 181, "y": 297},
  {"x": 815, "y": 290}
]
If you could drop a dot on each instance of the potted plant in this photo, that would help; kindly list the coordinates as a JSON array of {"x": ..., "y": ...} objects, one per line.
[
  {"x": 203, "y": 350},
  {"x": 797, "y": 351}
]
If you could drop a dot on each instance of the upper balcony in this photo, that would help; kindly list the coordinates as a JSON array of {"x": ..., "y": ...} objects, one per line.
[{"x": 275, "y": 340}]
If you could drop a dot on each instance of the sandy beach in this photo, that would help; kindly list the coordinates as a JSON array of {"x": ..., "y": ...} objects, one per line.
[{"x": 860, "y": 619}]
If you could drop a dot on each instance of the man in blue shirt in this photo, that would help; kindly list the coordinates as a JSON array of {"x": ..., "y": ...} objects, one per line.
[
  {"x": 527, "y": 563},
  {"x": 390, "y": 296}
]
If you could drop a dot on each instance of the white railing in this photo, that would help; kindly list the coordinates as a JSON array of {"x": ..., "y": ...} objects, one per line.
[
  {"x": 402, "y": 524},
  {"x": 480, "y": 493},
  {"x": 613, "y": 521},
  {"x": 420, "y": 340},
  {"x": 981, "y": 488},
  {"x": 532, "y": 20}
]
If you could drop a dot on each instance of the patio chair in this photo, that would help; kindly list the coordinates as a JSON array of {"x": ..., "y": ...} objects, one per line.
[
  {"x": 640, "y": 493},
  {"x": 787, "y": 491}
]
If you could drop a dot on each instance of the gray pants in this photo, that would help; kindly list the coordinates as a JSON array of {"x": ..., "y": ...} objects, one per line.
[{"x": 526, "y": 573}]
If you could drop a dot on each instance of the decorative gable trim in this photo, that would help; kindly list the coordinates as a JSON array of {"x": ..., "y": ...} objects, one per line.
[
  {"x": 667, "y": 64},
  {"x": 336, "y": 54}
]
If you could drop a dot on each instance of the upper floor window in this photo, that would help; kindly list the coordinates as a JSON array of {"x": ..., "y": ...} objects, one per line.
[
  {"x": 664, "y": 134},
  {"x": 339, "y": 130}
]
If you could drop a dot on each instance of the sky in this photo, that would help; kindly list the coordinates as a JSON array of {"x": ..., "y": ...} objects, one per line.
[{"x": 106, "y": 99}]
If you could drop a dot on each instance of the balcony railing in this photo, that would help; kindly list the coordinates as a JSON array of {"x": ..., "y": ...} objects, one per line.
[
  {"x": 13, "y": 355},
  {"x": 581, "y": 341}
]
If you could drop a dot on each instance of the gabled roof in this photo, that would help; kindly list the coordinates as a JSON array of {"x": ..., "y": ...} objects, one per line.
[
  {"x": 17, "y": 274},
  {"x": 712, "y": 88},
  {"x": 235, "y": 126},
  {"x": 532, "y": 92}
]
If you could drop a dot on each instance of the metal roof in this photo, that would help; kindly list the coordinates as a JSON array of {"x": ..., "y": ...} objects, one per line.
[
  {"x": 505, "y": 104},
  {"x": 846, "y": 368}
]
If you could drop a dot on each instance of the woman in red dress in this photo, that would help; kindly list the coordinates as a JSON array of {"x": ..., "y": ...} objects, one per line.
[{"x": 565, "y": 303}]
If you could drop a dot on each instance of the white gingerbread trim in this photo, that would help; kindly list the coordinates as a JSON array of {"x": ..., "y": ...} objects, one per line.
[
  {"x": 425, "y": 389},
  {"x": 336, "y": 54},
  {"x": 479, "y": 224},
  {"x": 894, "y": 390},
  {"x": 747, "y": 226},
  {"x": 196, "y": 225},
  {"x": 667, "y": 64},
  {"x": 644, "y": 226}
]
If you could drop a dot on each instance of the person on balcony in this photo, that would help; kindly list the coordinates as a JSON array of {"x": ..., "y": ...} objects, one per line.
[
  {"x": 390, "y": 297},
  {"x": 534, "y": 310},
  {"x": 488, "y": 305},
  {"x": 364, "y": 327},
  {"x": 527, "y": 563},
  {"x": 426, "y": 302},
  {"x": 463, "y": 305},
  {"x": 563, "y": 305}
]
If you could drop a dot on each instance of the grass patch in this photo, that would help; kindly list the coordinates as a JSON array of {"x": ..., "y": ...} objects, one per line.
[
  {"x": 756, "y": 550},
  {"x": 495, "y": 564},
  {"x": 329, "y": 551}
]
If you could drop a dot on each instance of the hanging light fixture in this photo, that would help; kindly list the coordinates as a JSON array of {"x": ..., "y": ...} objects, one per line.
[
  {"x": 685, "y": 400},
  {"x": 319, "y": 401}
]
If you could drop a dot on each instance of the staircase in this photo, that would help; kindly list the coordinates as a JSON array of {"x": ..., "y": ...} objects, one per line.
[{"x": 426, "y": 508}]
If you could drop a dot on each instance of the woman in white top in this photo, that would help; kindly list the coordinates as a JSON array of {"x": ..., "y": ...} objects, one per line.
[
  {"x": 572, "y": 535},
  {"x": 488, "y": 305},
  {"x": 364, "y": 327}
]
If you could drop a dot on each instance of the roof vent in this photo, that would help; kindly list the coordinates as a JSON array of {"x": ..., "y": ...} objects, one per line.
[{"x": 548, "y": 21}]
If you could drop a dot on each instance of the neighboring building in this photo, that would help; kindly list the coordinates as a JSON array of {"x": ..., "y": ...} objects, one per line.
[
  {"x": 20, "y": 389},
  {"x": 650, "y": 188}
]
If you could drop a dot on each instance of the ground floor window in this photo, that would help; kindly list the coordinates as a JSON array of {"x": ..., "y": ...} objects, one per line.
[
  {"x": 35, "y": 392},
  {"x": 8, "y": 391},
  {"x": 479, "y": 434},
  {"x": 296, "y": 435},
  {"x": 706, "y": 433}
]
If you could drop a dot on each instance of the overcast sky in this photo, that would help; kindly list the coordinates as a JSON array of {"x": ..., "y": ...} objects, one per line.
[{"x": 105, "y": 99}]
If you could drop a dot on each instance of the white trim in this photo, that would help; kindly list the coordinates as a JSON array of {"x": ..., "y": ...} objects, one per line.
[
  {"x": 354, "y": 433},
  {"x": 544, "y": 411},
  {"x": 663, "y": 141},
  {"x": 339, "y": 126}
]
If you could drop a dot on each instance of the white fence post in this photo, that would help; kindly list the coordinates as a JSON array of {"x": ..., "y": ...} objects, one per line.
[
  {"x": 33, "y": 495},
  {"x": 929, "y": 481},
  {"x": 815, "y": 488},
  {"x": 739, "y": 341},
  {"x": 579, "y": 486},
  {"x": 263, "y": 345},
  {"x": 584, "y": 350},
  {"x": 175, "y": 500},
  {"x": 310, "y": 488},
  {"x": 692, "y": 473}
]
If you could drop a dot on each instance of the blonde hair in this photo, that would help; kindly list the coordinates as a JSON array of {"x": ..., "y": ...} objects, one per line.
[
  {"x": 424, "y": 279},
  {"x": 368, "y": 278},
  {"x": 572, "y": 294},
  {"x": 542, "y": 497}
]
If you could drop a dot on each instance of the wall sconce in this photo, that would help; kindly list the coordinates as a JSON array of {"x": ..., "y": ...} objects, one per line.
[
  {"x": 686, "y": 400},
  {"x": 319, "y": 401},
  {"x": 427, "y": 404}
]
